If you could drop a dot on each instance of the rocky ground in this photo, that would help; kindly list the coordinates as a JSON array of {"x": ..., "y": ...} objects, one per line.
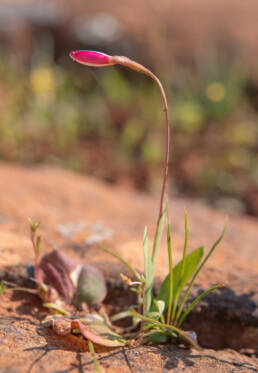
[{"x": 79, "y": 212}]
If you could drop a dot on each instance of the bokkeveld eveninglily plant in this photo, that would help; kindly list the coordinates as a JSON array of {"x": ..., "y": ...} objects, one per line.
[
  {"x": 61, "y": 281},
  {"x": 160, "y": 317}
]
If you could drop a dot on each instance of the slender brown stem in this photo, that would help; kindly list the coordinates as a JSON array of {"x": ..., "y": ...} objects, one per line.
[
  {"x": 140, "y": 68},
  {"x": 165, "y": 172}
]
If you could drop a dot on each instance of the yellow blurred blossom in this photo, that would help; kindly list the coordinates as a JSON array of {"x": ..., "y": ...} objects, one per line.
[
  {"x": 42, "y": 80},
  {"x": 215, "y": 91}
]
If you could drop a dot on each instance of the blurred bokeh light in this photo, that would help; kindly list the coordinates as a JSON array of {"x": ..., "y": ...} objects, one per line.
[{"x": 109, "y": 122}]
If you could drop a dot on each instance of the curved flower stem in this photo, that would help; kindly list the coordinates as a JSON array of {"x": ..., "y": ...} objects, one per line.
[
  {"x": 99, "y": 59},
  {"x": 165, "y": 172},
  {"x": 140, "y": 68}
]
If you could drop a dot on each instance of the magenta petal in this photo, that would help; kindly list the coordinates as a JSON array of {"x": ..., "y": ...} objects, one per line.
[{"x": 91, "y": 58}]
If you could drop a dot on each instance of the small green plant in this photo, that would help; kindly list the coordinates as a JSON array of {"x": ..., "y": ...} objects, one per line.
[
  {"x": 160, "y": 317},
  {"x": 60, "y": 280}
]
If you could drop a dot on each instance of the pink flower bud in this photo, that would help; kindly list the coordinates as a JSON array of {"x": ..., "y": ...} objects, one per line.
[{"x": 92, "y": 58}]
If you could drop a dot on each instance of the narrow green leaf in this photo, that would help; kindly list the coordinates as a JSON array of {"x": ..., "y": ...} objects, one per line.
[
  {"x": 157, "y": 238},
  {"x": 136, "y": 274},
  {"x": 196, "y": 301},
  {"x": 164, "y": 327},
  {"x": 171, "y": 334},
  {"x": 148, "y": 269},
  {"x": 191, "y": 262},
  {"x": 120, "y": 315},
  {"x": 55, "y": 307},
  {"x": 171, "y": 280},
  {"x": 185, "y": 247},
  {"x": 179, "y": 311},
  {"x": 179, "y": 288},
  {"x": 94, "y": 358}
]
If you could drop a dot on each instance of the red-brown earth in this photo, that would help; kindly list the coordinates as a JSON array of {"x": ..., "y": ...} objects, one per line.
[{"x": 76, "y": 212}]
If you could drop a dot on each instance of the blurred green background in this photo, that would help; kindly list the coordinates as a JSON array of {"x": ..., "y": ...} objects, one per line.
[{"x": 109, "y": 122}]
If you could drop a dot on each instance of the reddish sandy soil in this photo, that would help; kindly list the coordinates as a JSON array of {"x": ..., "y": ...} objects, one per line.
[{"x": 76, "y": 209}]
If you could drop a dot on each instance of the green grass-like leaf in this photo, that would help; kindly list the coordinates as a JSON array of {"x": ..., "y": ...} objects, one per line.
[
  {"x": 120, "y": 315},
  {"x": 196, "y": 301},
  {"x": 148, "y": 269},
  {"x": 131, "y": 269},
  {"x": 182, "y": 270},
  {"x": 165, "y": 327},
  {"x": 191, "y": 262},
  {"x": 55, "y": 307},
  {"x": 157, "y": 237},
  {"x": 170, "y": 261},
  {"x": 94, "y": 358},
  {"x": 185, "y": 247},
  {"x": 179, "y": 311}
]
